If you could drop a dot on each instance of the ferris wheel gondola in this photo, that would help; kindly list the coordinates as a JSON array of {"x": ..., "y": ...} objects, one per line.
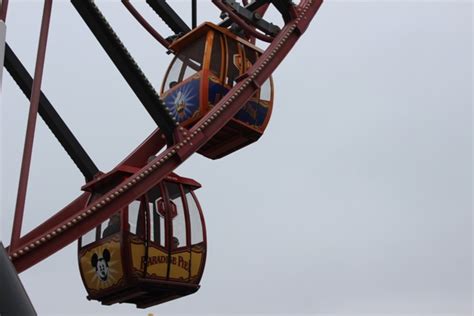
[
  {"x": 209, "y": 61},
  {"x": 149, "y": 252}
]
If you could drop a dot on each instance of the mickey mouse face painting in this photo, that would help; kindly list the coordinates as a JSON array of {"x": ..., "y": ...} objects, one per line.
[{"x": 101, "y": 264}]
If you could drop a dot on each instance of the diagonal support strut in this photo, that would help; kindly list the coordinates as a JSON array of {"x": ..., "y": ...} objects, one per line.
[{"x": 52, "y": 119}]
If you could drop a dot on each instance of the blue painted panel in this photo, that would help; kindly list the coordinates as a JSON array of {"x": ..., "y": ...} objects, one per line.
[
  {"x": 183, "y": 101},
  {"x": 216, "y": 92},
  {"x": 253, "y": 113}
]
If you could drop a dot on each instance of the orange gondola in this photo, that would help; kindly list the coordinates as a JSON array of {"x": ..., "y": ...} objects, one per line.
[{"x": 209, "y": 61}]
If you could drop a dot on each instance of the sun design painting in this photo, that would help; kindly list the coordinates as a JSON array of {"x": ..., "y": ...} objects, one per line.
[
  {"x": 183, "y": 103},
  {"x": 102, "y": 266}
]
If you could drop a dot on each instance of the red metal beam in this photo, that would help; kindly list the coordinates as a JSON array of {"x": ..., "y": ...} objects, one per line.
[
  {"x": 137, "y": 158},
  {"x": 3, "y": 10},
  {"x": 145, "y": 24},
  {"x": 77, "y": 224},
  {"x": 72, "y": 208},
  {"x": 30, "y": 130},
  {"x": 150, "y": 146},
  {"x": 262, "y": 10}
]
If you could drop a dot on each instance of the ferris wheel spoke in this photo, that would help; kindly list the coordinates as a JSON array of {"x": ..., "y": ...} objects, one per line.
[
  {"x": 51, "y": 117},
  {"x": 31, "y": 125},
  {"x": 169, "y": 16},
  {"x": 126, "y": 65},
  {"x": 194, "y": 13}
]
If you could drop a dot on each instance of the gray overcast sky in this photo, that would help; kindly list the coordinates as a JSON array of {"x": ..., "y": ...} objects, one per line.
[{"x": 357, "y": 199}]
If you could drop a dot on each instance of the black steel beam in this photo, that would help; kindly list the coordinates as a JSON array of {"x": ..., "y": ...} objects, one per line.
[
  {"x": 282, "y": 6},
  {"x": 13, "y": 298},
  {"x": 49, "y": 115},
  {"x": 255, "y": 19},
  {"x": 251, "y": 7},
  {"x": 194, "y": 13},
  {"x": 127, "y": 66},
  {"x": 169, "y": 16}
]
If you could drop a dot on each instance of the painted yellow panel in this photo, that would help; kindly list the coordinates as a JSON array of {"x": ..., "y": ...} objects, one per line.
[
  {"x": 197, "y": 256},
  {"x": 138, "y": 257},
  {"x": 180, "y": 264},
  {"x": 157, "y": 262},
  {"x": 101, "y": 266}
]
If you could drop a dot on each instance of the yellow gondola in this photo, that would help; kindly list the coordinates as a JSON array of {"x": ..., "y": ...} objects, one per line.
[{"x": 150, "y": 252}]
